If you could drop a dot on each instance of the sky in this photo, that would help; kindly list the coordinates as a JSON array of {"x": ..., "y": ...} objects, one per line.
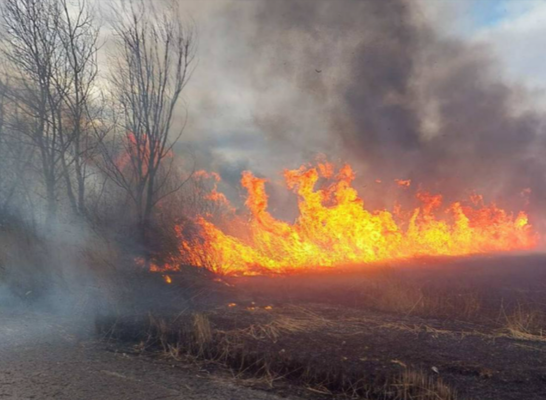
[{"x": 515, "y": 29}]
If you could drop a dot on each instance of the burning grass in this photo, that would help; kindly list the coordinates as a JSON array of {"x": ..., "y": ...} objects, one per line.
[{"x": 334, "y": 228}]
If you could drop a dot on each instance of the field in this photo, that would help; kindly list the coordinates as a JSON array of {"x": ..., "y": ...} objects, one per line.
[{"x": 468, "y": 328}]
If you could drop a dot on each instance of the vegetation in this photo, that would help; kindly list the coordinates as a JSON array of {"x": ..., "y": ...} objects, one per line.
[{"x": 87, "y": 142}]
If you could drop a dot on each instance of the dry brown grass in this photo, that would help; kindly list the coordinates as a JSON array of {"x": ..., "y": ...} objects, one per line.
[
  {"x": 299, "y": 320},
  {"x": 416, "y": 385},
  {"x": 202, "y": 332},
  {"x": 192, "y": 337},
  {"x": 525, "y": 323},
  {"x": 395, "y": 296},
  {"x": 402, "y": 297},
  {"x": 188, "y": 335}
]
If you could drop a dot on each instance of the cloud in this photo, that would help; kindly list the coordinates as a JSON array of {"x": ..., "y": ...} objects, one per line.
[{"x": 518, "y": 41}]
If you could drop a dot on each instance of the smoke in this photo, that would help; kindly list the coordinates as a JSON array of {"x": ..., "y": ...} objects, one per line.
[
  {"x": 408, "y": 103},
  {"x": 373, "y": 83}
]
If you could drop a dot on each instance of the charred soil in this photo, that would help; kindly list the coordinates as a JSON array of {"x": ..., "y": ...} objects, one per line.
[{"x": 470, "y": 328}]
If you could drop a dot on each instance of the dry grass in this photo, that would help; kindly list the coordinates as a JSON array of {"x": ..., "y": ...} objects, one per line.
[
  {"x": 416, "y": 385},
  {"x": 192, "y": 337},
  {"x": 202, "y": 333},
  {"x": 395, "y": 296},
  {"x": 525, "y": 323},
  {"x": 299, "y": 320},
  {"x": 187, "y": 335},
  {"x": 398, "y": 296}
]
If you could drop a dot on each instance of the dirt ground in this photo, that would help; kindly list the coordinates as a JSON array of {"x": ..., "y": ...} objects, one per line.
[
  {"x": 478, "y": 324},
  {"x": 447, "y": 317},
  {"x": 48, "y": 357},
  {"x": 479, "y": 362}
]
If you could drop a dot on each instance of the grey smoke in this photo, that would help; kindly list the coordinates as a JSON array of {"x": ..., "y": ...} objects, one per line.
[{"x": 369, "y": 82}]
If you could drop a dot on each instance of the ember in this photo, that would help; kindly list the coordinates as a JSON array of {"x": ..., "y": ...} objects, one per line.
[{"x": 403, "y": 182}]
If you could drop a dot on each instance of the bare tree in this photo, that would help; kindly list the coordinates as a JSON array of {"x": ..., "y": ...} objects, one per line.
[
  {"x": 51, "y": 50},
  {"x": 79, "y": 36},
  {"x": 155, "y": 57},
  {"x": 32, "y": 48},
  {"x": 15, "y": 161}
]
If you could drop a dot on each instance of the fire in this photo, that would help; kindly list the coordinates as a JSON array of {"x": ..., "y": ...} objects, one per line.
[
  {"x": 136, "y": 153},
  {"x": 213, "y": 195},
  {"x": 167, "y": 279},
  {"x": 403, "y": 182},
  {"x": 335, "y": 229}
]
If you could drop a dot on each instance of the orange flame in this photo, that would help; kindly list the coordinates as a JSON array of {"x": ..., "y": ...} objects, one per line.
[
  {"x": 334, "y": 229},
  {"x": 137, "y": 151},
  {"x": 213, "y": 195},
  {"x": 403, "y": 183}
]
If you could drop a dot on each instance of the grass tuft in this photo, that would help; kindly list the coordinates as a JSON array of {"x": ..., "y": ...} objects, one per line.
[
  {"x": 202, "y": 332},
  {"x": 416, "y": 385},
  {"x": 525, "y": 323}
]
